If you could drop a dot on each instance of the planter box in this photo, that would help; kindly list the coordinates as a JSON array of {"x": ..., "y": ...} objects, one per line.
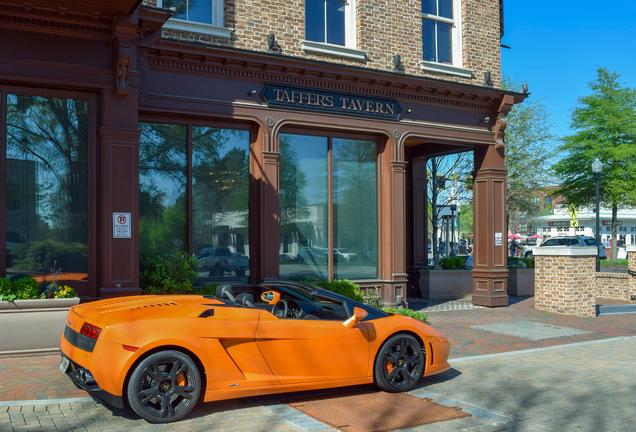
[
  {"x": 521, "y": 282},
  {"x": 445, "y": 284},
  {"x": 33, "y": 326}
]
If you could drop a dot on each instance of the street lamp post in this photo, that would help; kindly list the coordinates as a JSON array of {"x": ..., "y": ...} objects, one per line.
[
  {"x": 597, "y": 167},
  {"x": 453, "y": 208}
]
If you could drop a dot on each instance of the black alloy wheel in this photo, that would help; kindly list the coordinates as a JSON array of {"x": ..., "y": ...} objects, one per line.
[
  {"x": 399, "y": 364},
  {"x": 164, "y": 387}
]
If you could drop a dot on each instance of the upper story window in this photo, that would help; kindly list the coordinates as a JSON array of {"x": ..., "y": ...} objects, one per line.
[
  {"x": 437, "y": 30},
  {"x": 325, "y": 21},
  {"x": 330, "y": 28},
  {"x": 198, "y": 16},
  {"x": 441, "y": 37}
]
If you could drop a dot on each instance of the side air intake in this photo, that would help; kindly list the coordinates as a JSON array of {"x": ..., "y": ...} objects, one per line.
[{"x": 206, "y": 313}]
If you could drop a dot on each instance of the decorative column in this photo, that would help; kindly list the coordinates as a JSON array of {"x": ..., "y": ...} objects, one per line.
[
  {"x": 265, "y": 217},
  {"x": 119, "y": 176},
  {"x": 392, "y": 221},
  {"x": 490, "y": 250},
  {"x": 565, "y": 280}
]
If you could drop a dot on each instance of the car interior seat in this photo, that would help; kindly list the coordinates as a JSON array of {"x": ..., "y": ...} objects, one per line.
[
  {"x": 245, "y": 299},
  {"x": 225, "y": 291}
]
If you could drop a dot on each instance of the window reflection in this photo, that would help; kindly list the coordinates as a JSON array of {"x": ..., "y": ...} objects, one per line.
[
  {"x": 47, "y": 188},
  {"x": 162, "y": 187},
  {"x": 220, "y": 195},
  {"x": 191, "y": 10},
  {"x": 303, "y": 207},
  {"x": 355, "y": 209}
]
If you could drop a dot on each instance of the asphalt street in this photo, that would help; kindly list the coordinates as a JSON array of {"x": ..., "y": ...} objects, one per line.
[{"x": 586, "y": 386}]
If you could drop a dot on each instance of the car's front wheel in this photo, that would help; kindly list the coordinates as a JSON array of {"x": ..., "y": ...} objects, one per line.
[
  {"x": 164, "y": 387},
  {"x": 399, "y": 364}
]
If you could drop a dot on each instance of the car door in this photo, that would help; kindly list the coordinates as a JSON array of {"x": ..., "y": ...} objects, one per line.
[{"x": 312, "y": 350}]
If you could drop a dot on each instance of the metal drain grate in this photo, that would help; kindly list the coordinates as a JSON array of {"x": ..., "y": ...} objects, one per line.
[
  {"x": 531, "y": 330},
  {"x": 375, "y": 411}
]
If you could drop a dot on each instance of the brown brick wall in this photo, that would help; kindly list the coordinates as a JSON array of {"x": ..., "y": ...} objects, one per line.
[
  {"x": 614, "y": 286},
  {"x": 566, "y": 285},
  {"x": 384, "y": 28}
]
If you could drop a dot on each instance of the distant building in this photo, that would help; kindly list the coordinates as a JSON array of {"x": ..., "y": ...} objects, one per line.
[{"x": 559, "y": 224}]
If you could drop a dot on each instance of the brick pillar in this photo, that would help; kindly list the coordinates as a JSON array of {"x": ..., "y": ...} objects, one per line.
[
  {"x": 631, "y": 265},
  {"x": 565, "y": 280}
]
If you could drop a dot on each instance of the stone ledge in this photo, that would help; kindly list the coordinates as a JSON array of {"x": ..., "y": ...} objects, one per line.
[{"x": 564, "y": 251}]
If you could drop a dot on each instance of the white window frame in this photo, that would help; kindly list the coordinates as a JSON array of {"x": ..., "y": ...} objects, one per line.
[
  {"x": 215, "y": 29},
  {"x": 349, "y": 50},
  {"x": 455, "y": 68}
]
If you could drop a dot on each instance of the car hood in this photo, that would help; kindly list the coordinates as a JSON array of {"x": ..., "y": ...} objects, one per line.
[{"x": 123, "y": 309}]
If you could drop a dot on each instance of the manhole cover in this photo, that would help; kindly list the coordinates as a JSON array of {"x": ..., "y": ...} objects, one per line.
[
  {"x": 531, "y": 330},
  {"x": 376, "y": 411}
]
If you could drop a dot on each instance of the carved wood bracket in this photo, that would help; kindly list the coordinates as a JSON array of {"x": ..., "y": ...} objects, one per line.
[
  {"x": 124, "y": 32},
  {"x": 500, "y": 126}
]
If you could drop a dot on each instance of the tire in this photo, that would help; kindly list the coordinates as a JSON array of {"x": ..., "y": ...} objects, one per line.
[
  {"x": 399, "y": 364},
  {"x": 164, "y": 387},
  {"x": 239, "y": 273},
  {"x": 218, "y": 271}
]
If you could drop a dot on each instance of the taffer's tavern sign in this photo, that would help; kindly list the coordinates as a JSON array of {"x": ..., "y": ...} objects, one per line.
[{"x": 332, "y": 102}]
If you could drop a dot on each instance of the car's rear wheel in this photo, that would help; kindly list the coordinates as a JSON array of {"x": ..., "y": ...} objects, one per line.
[
  {"x": 164, "y": 387},
  {"x": 240, "y": 273},
  {"x": 399, "y": 364}
]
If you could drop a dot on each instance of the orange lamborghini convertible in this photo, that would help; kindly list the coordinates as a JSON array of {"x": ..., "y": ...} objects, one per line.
[{"x": 159, "y": 355}]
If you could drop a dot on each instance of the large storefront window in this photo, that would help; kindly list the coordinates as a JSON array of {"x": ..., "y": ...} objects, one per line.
[
  {"x": 355, "y": 225},
  {"x": 306, "y": 216},
  {"x": 47, "y": 146},
  {"x": 219, "y": 207}
]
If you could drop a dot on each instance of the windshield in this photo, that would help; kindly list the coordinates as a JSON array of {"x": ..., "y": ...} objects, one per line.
[{"x": 590, "y": 242}]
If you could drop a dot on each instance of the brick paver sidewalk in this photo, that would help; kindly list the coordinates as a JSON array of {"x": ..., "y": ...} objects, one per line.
[
  {"x": 38, "y": 377},
  {"x": 467, "y": 341}
]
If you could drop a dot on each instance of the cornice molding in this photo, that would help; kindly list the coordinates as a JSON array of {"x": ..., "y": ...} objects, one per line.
[
  {"x": 45, "y": 21},
  {"x": 256, "y": 67}
]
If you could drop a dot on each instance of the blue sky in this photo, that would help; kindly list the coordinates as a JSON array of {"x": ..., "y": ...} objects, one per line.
[{"x": 557, "y": 46}]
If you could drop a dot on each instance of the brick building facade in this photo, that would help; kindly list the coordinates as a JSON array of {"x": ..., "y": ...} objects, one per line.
[{"x": 271, "y": 139}]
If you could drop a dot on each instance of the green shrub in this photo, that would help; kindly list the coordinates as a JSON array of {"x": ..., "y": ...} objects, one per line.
[
  {"x": 529, "y": 262},
  {"x": 27, "y": 288},
  {"x": 163, "y": 273},
  {"x": 6, "y": 290},
  {"x": 373, "y": 298},
  {"x": 344, "y": 287},
  {"x": 621, "y": 262},
  {"x": 456, "y": 263},
  {"x": 409, "y": 313},
  {"x": 207, "y": 289},
  {"x": 23, "y": 288}
]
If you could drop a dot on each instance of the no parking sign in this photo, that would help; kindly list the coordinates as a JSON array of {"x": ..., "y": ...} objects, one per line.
[{"x": 121, "y": 225}]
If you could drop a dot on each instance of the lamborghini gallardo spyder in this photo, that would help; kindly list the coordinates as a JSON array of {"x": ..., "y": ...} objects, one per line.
[{"x": 159, "y": 355}]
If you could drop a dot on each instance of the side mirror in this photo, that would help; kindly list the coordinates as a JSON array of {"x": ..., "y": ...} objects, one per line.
[
  {"x": 270, "y": 297},
  {"x": 358, "y": 315}
]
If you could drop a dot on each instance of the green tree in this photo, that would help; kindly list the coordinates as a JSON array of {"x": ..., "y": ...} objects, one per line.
[
  {"x": 605, "y": 127},
  {"x": 529, "y": 148}
]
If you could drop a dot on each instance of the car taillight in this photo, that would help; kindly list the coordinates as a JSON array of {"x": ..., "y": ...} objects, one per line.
[{"x": 90, "y": 330}]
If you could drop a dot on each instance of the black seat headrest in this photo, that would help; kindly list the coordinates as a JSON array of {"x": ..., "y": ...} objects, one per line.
[
  {"x": 225, "y": 291},
  {"x": 246, "y": 299}
]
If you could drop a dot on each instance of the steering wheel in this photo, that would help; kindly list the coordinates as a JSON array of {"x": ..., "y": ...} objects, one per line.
[{"x": 280, "y": 309}]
